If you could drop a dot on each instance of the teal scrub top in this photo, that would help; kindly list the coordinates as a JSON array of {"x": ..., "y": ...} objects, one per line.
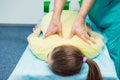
[{"x": 106, "y": 15}]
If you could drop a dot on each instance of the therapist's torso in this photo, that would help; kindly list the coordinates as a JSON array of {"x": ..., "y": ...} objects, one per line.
[{"x": 105, "y": 13}]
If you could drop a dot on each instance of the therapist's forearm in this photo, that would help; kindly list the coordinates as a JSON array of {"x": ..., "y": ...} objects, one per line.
[
  {"x": 86, "y": 5},
  {"x": 58, "y": 6}
]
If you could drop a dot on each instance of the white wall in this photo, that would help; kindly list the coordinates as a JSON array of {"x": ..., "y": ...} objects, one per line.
[{"x": 20, "y": 11}]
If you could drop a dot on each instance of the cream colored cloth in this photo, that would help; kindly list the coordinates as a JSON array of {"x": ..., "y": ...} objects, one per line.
[{"x": 41, "y": 47}]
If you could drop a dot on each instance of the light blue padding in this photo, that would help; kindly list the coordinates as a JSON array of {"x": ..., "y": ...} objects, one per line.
[{"x": 31, "y": 68}]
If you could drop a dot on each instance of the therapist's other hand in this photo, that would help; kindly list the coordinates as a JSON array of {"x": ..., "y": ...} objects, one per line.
[
  {"x": 80, "y": 30},
  {"x": 55, "y": 27}
]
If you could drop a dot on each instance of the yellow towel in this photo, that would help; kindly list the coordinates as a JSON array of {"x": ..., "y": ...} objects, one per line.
[{"x": 41, "y": 47}]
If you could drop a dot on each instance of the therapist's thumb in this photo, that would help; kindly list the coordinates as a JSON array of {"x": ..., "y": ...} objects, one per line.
[
  {"x": 70, "y": 35},
  {"x": 60, "y": 33},
  {"x": 46, "y": 35}
]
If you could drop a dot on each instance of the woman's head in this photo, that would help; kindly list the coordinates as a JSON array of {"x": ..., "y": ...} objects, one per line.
[{"x": 67, "y": 60}]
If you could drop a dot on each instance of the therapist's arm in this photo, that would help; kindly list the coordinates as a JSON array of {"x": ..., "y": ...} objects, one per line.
[
  {"x": 86, "y": 5},
  {"x": 59, "y": 4},
  {"x": 55, "y": 26},
  {"x": 78, "y": 27}
]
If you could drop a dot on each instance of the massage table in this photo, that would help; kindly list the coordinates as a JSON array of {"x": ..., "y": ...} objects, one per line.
[{"x": 30, "y": 67}]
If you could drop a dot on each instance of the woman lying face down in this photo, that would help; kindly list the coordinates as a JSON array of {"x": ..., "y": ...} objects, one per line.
[{"x": 66, "y": 56}]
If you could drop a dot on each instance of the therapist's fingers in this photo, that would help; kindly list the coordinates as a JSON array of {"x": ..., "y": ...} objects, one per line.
[
  {"x": 85, "y": 38},
  {"x": 71, "y": 35},
  {"x": 60, "y": 33},
  {"x": 47, "y": 34},
  {"x": 83, "y": 35},
  {"x": 50, "y": 32},
  {"x": 91, "y": 40}
]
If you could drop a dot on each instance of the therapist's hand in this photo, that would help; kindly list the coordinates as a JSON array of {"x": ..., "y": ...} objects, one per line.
[
  {"x": 80, "y": 30},
  {"x": 55, "y": 27}
]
